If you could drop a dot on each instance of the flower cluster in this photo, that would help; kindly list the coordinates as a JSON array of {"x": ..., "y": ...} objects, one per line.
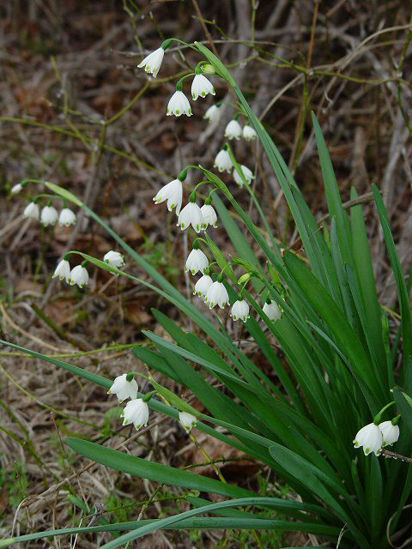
[
  {"x": 48, "y": 215},
  {"x": 373, "y": 437}
]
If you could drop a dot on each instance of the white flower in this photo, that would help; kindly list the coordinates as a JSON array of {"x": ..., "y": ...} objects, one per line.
[
  {"x": 213, "y": 114},
  {"x": 248, "y": 175},
  {"x": 196, "y": 261},
  {"x": 79, "y": 276},
  {"x": 48, "y": 216},
  {"x": 217, "y": 295},
  {"x": 202, "y": 286},
  {"x": 390, "y": 433},
  {"x": 136, "y": 411},
  {"x": 152, "y": 62},
  {"x": 173, "y": 193},
  {"x": 249, "y": 133},
  {"x": 201, "y": 86},
  {"x": 209, "y": 215},
  {"x": 179, "y": 104},
  {"x": 223, "y": 162},
  {"x": 370, "y": 438},
  {"x": 240, "y": 309},
  {"x": 62, "y": 270},
  {"x": 191, "y": 215},
  {"x": 115, "y": 259},
  {"x": 67, "y": 217},
  {"x": 272, "y": 310},
  {"x": 188, "y": 421},
  {"x": 31, "y": 211},
  {"x": 123, "y": 389},
  {"x": 233, "y": 130},
  {"x": 16, "y": 188}
]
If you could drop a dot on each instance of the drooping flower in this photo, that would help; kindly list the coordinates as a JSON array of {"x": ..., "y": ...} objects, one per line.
[
  {"x": 136, "y": 411},
  {"x": 217, "y": 295},
  {"x": 209, "y": 214},
  {"x": 240, "y": 310},
  {"x": 196, "y": 261},
  {"x": 233, "y": 130},
  {"x": 115, "y": 259},
  {"x": 272, "y": 310},
  {"x": 223, "y": 162},
  {"x": 213, "y": 114},
  {"x": 62, "y": 270},
  {"x": 248, "y": 175},
  {"x": 188, "y": 421},
  {"x": 390, "y": 433},
  {"x": 249, "y": 133},
  {"x": 201, "y": 86},
  {"x": 48, "y": 216},
  {"x": 370, "y": 439},
  {"x": 79, "y": 276},
  {"x": 123, "y": 388},
  {"x": 178, "y": 105},
  {"x": 16, "y": 188},
  {"x": 67, "y": 217},
  {"x": 191, "y": 215},
  {"x": 202, "y": 286},
  {"x": 173, "y": 193},
  {"x": 31, "y": 211},
  {"x": 152, "y": 62}
]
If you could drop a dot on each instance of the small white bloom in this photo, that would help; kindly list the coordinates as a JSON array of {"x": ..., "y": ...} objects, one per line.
[
  {"x": 223, "y": 162},
  {"x": 62, "y": 270},
  {"x": 213, "y": 114},
  {"x": 173, "y": 193},
  {"x": 390, "y": 433},
  {"x": 152, "y": 62},
  {"x": 136, "y": 411},
  {"x": 179, "y": 104},
  {"x": 79, "y": 276},
  {"x": 202, "y": 286},
  {"x": 48, "y": 216},
  {"x": 31, "y": 211},
  {"x": 196, "y": 261},
  {"x": 272, "y": 310},
  {"x": 249, "y": 133},
  {"x": 233, "y": 130},
  {"x": 201, "y": 86},
  {"x": 217, "y": 295},
  {"x": 191, "y": 215},
  {"x": 240, "y": 309},
  {"x": 209, "y": 215},
  {"x": 115, "y": 259},
  {"x": 16, "y": 188},
  {"x": 67, "y": 217},
  {"x": 188, "y": 421},
  {"x": 248, "y": 175},
  {"x": 370, "y": 438},
  {"x": 123, "y": 389}
]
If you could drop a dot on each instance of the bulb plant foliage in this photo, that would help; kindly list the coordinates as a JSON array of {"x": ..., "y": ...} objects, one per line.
[{"x": 322, "y": 420}]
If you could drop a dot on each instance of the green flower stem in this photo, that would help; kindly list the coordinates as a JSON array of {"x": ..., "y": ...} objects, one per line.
[
  {"x": 378, "y": 418},
  {"x": 179, "y": 83}
]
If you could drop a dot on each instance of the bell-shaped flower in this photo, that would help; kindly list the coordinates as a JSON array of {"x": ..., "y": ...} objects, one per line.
[
  {"x": 196, "y": 261},
  {"x": 123, "y": 388},
  {"x": 79, "y": 276},
  {"x": 31, "y": 211},
  {"x": 217, "y": 295},
  {"x": 191, "y": 215},
  {"x": 209, "y": 215},
  {"x": 152, "y": 62},
  {"x": 188, "y": 421},
  {"x": 370, "y": 439},
  {"x": 272, "y": 310},
  {"x": 249, "y": 133},
  {"x": 115, "y": 259},
  {"x": 173, "y": 193},
  {"x": 202, "y": 286},
  {"x": 223, "y": 162},
  {"x": 240, "y": 310},
  {"x": 16, "y": 188},
  {"x": 233, "y": 130},
  {"x": 201, "y": 86},
  {"x": 48, "y": 216},
  {"x": 136, "y": 411},
  {"x": 390, "y": 433},
  {"x": 62, "y": 271},
  {"x": 213, "y": 114},
  {"x": 178, "y": 105},
  {"x": 247, "y": 174},
  {"x": 67, "y": 217}
]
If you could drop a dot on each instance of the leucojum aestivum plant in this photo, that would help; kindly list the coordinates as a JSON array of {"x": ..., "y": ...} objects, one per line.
[{"x": 333, "y": 420}]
